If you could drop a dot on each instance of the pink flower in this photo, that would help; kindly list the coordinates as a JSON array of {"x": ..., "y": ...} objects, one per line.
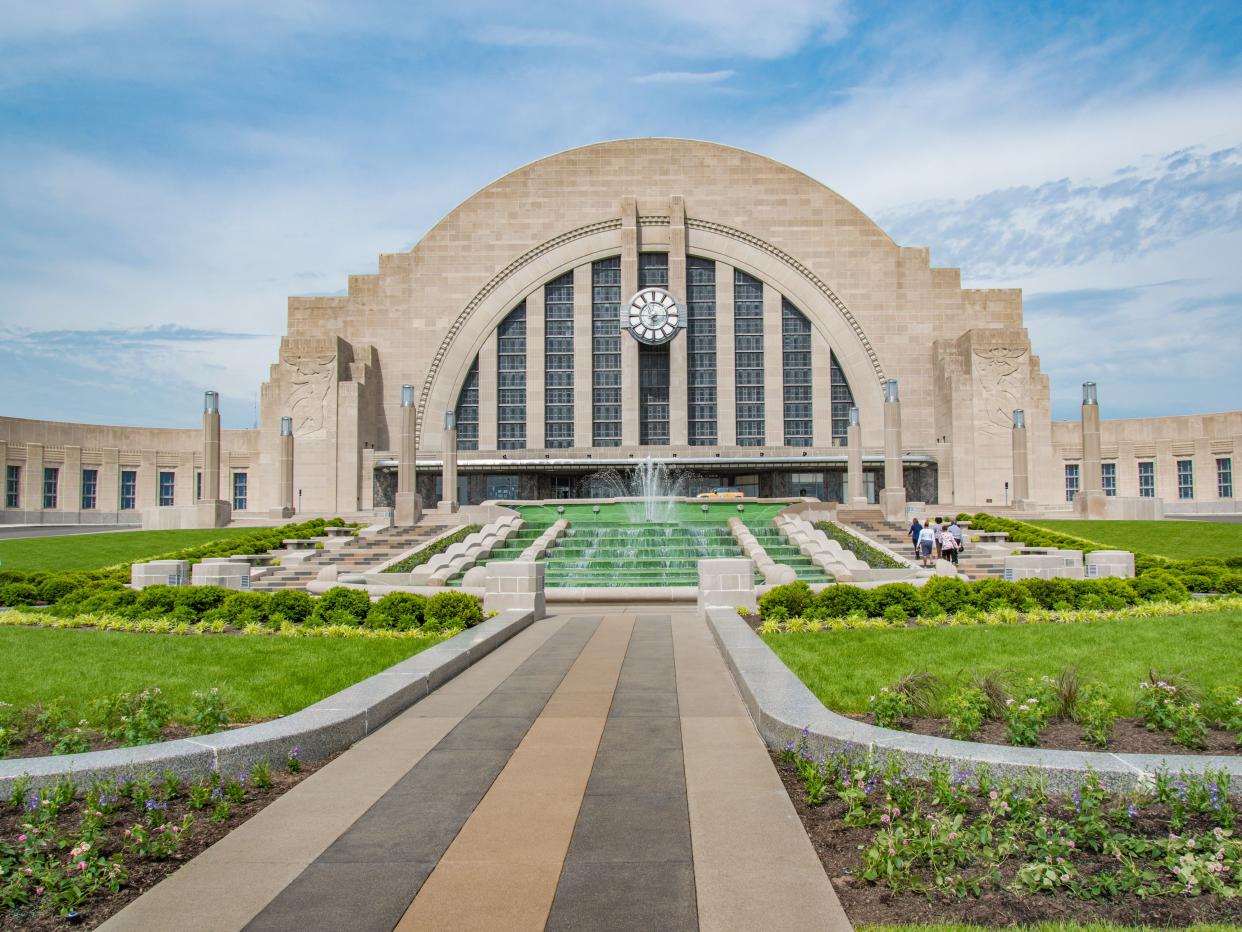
[
  {"x": 81, "y": 865},
  {"x": 21, "y": 837},
  {"x": 38, "y": 891},
  {"x": 884, "y": 818},
  {"x": 1071, "y": 844},
  {"x": 993, "y": 795},
  {"x": 952, "y": 836}
]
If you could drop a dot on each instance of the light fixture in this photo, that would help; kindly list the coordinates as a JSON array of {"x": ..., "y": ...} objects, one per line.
[
  {"x": 890, "y": 390},
  {"x": 853, "y": 416},
  {"x": 741, "y": 507},
  {"x": 560, "y": 509},
  {"x": 704, "y": 508},
  {"x": 211, "y": 402},
  {"x": 1089, "y": 396},
  {"x": 286, "y": 426},
  {"x": 1019, "y": 418},
  {"x": 450, "y": 420},
  {"x": 595, "y": 508},
  {"x": 407, "y": 396}
]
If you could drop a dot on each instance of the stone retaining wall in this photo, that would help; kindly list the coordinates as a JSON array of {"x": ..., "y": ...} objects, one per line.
[
  {"x": 318, "y": 731},
  {"x": 782, "y": 706}
]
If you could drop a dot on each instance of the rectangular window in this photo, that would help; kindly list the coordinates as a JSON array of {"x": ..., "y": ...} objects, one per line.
[
  {"x": 796, "y": 337},
  {"x": 90, "y": 488},
  {"x": 468, "y": 410},
  {"x": 1147, "y": 479},
  {"x": 606, "y": 352},
  {"x": 808, "y": 484},
  {"x": 1185, "y": 479},
  {"x": 1224, "y": 477},
  {"x": 1071, "y": 481},
  {"x": 168, "y": 484},
  {"x": 239, "y": 491},
  {"x": 558, "y": 362},
  {"x": 51, "y": 486},
  {"x": 842, "y": 401},
  {"x": 511, "y": 380},
  {"x": 701, "y": 351},
  {"x": 198, "y": 485},
  {"x": 748, "y": 359},
  {"x": 13, "y": 487},
  {"x": 1108, "y": 478},
  {"x": 129, "y": 489}
]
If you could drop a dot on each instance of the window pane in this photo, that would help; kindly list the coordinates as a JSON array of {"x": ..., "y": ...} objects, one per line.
[
  {"x": 558, "y": 360},
  {"x": 606, "y": 352},
  {"x": 468, "y": 410},
  {"x": 90, "y": 488}
]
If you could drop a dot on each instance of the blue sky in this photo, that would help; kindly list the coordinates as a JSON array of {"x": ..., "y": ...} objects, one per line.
[{"x": 169, "y": 173}]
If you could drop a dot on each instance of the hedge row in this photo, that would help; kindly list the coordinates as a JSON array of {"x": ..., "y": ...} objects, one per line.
[
  {"x": 338, "y": 606},
  {"x": 1205, "y": 574},
  {"x": 419, "y": 557},
  {"x": 950, "y": 595},
  {"x": 872, "y": 556}
]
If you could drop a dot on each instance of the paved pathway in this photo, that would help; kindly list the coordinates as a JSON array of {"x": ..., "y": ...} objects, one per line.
[{"x": 596, "y": 772}]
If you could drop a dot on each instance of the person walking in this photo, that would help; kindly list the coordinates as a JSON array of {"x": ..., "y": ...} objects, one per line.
[
  {"x": 913, "y": 533},
  {"x": 948, "y": 547},
  {"x": 927, "y": 540},
  {"x": 957, "y": 536}
]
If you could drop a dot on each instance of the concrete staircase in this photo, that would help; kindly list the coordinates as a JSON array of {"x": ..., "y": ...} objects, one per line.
[
  {"x": 358, "y": 556},
  {"x": 869, "y": 522}
]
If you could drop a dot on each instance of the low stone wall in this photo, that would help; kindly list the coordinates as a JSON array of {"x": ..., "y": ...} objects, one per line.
[
  {"x": 782, "y": 706},
  {"x": 318, "y": 731}
]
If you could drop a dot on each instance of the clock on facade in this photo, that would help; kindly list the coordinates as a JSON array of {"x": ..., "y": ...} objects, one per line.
[{"x": 654, "y": 317}]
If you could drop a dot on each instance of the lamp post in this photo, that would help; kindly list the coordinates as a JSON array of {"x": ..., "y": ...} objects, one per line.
[
  {"x": 854, "y": 469},
  {"x": 448, "y": 456},
  {"x": 408, "y": 508},
  {"x": 893, "y": 495},
  {"x": 1021, "y": 468}
]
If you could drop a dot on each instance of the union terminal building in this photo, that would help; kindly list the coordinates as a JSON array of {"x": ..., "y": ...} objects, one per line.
[{"x": 685, "y": 301}]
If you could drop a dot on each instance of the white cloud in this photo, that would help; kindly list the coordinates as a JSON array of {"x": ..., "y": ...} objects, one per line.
[{"x": 685, "y": 77}]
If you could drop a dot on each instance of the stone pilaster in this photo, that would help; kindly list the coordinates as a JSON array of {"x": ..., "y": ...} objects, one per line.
[
  {"x": 448, "y": 477},
  {"x": 583, "y": 358},
  {"x": 854, "y": 465},
  {"x": 408, "y": 508},
  {"x": 4, "y": 475},
  {"x": 211, "y": 448},
  {"x": 1021, "y": 467},
  {"x": 284, "y": 508},
  {"x": 1090, "y": 501},
  {"x": 629, "y": 346},
  {"x": 536, "y": 420},
  {"x": 488, "y": 398},
  {"x": 726, "y": 373},
  {"x": 773, "y": 369},
  {"x": 678, "y": 374},
  {"x": 893, "y": 495},
  {"x": 32, "y": 498},
  {"x": 71, "y": 480},
  {"x": 109, "y": 490}
]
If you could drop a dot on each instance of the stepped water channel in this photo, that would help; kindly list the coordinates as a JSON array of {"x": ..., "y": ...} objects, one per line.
[{"x": 608, "y": 548}]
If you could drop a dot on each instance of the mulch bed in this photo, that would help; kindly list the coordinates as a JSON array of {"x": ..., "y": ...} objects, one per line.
[
  {"x": 143, "y": 875},
  {"x": 838, "y": 848},
  {"x": 1130, "y": 736}
]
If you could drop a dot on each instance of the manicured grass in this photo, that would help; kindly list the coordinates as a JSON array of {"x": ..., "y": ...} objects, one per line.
[
  {"x": 1177, "y": 540},
  {"x": 260, "y": 677},
  {"x": 843, "y": 668},
  {"x": 95, "y": 551}
]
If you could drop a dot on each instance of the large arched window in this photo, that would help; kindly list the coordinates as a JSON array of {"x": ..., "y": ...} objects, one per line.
[{"x": 842, "y": 401}]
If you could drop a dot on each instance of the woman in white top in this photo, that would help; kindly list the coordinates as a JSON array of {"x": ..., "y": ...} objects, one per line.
[{"x": 927, "y": 540}]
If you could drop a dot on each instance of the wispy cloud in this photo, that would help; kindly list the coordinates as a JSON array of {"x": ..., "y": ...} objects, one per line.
[{"x": 685, "y": 77}]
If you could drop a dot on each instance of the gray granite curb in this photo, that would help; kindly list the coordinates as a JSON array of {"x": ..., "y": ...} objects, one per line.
[
  {"x": 782, "y": 707},
  {"x": 318, "y": 731}
]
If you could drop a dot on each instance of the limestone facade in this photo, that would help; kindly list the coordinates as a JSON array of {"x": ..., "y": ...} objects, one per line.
[{"x": 509, "y": 310}]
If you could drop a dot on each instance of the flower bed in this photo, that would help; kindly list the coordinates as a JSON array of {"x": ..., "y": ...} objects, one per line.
[
  {"x": 77, "y": 855},
  {"x": 967, "y": 847},
  {"x": 419, "y": 557},
  {"x": 872, "y": 556}
]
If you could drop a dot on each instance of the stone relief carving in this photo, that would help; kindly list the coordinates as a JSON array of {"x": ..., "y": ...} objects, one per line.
[
  {"x": 309, "y": 378},
  {"x": 1002, "y": 377}
]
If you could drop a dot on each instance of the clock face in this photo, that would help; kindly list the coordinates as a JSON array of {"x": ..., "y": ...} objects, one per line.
[{"x": 653, "y": 316}]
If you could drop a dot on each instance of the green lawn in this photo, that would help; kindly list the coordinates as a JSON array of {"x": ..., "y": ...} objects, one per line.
[
  {"x": 260, "y": 677},
  {"x": 843, "y": 668},
  {"x": 94, "y": 551},
  {"x": 1177, "y": 540}
]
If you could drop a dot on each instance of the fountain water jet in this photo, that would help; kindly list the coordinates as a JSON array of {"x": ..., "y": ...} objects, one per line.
[{"x": 655, "y": 487}]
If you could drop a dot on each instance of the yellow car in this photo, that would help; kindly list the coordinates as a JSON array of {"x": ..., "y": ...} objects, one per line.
[{"x": 724, "y": 491}]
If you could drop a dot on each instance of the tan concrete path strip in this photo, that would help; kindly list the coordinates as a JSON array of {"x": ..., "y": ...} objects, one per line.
[
  {"x": 227, "y": 885},
  {"x": 754, "y": 867},
  {"x": 502, "y": 869}
]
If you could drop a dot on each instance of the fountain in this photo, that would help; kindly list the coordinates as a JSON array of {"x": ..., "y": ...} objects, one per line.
[{"x": 651, "y": 485}]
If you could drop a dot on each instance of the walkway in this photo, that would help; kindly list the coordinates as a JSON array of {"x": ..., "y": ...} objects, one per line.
[{"x": 596, "y": 772}]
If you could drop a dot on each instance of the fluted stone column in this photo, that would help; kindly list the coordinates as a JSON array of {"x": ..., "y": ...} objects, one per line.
[
  {"x": 209, "y": 510},
  {"x": 1090, "y": 501},
  {"x": 1021, "y": 469},
  {"x": 893, "y": 495},
  {"x": 285, "y": 509},
  {"x": 854, "y": 468},
  {"x": 448, "y": 477},
  {"x": 408, "y": 509}
]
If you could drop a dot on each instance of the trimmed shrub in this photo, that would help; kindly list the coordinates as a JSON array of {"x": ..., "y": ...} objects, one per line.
[
  {"x": 401, "y": 611},
  {"x": 1159, "y": 585},
  {"x": 156, "y": 600},
  {"x": 903, "y": 596},
  {"x": 242, "y": 608},
  {"x": 339, "y": 599},
  {"x": 1229, "y": 582},
  {"x": 18, "y": 593},
  {"x": 452, "y": 610},
  {"x": 949, "y": 594},
  {"x": 794, "y": 597},
  {"x": 292, "y": 604},
  {"x": 986, "y": 593},
  {"x": 1049, "y": 593},
  {"x": 57, "y": 586},
  {"x": 837, "y": 602},
  {"x": 201, "y": 599}
]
